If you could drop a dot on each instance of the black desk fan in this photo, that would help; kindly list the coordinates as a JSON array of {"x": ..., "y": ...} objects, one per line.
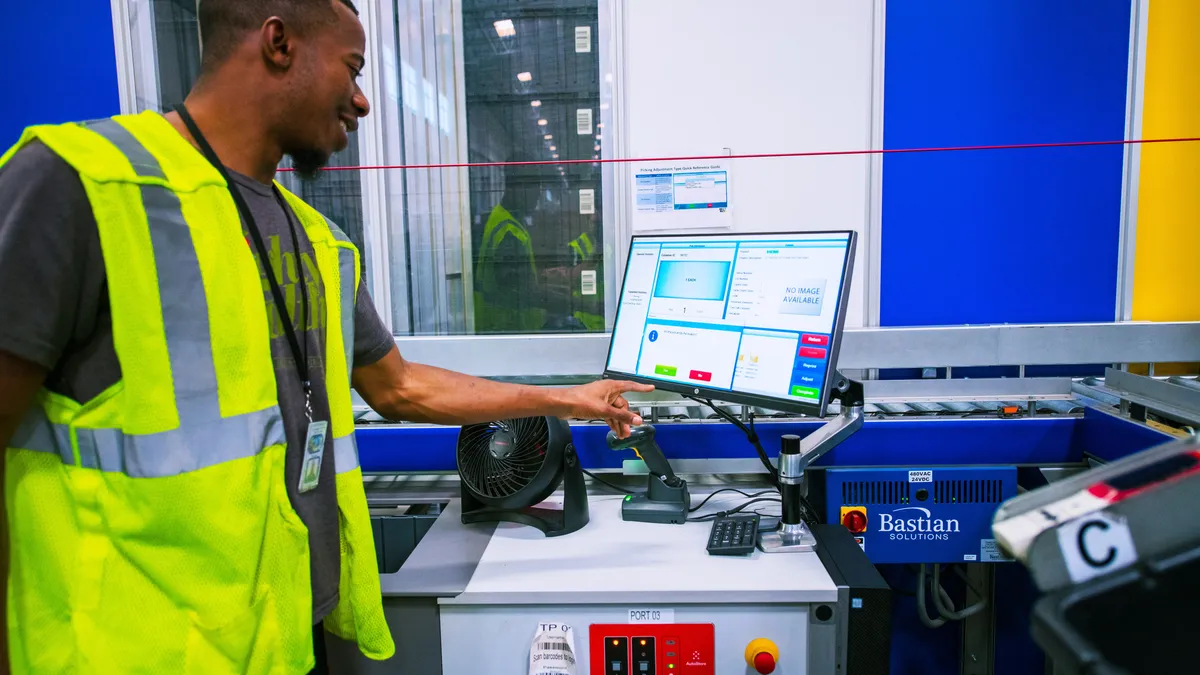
[{"x": 508, "y": 467}]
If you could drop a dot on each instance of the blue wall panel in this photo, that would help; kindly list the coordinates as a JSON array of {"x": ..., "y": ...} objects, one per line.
[
  {"x": 1003, "y": 235},
  {"x": 62, "y": 64}
]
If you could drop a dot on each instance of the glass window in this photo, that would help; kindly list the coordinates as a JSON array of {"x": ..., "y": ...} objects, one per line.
[{"x": 532, "y": 81}]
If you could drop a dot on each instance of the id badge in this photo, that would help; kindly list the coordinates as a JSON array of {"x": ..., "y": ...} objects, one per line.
[{"x": 314, "y": 450}]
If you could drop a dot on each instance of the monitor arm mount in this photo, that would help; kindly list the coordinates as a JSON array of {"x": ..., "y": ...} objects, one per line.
[
  {"x": 666, "y": 499},
  {"x": 797, "y": 454}
]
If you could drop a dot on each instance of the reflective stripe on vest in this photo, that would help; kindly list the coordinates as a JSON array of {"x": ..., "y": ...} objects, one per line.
[
  {"x": 345, "y": 448},
  {"x": 582, "y": 245},
  {"x": 500, "y": 224},
  {"x": 153, "y": 455},
  {"x": 204, "y": 438}
]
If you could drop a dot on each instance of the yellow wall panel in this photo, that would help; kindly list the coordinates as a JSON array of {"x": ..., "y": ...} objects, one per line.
[{"x": 1166, "y": 285}]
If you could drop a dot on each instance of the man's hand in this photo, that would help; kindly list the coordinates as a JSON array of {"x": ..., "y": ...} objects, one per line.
[{"x": 603, "y": 399}]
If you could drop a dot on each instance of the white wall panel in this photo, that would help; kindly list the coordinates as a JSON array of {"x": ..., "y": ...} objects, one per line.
[{"x": 703, "y": 76}]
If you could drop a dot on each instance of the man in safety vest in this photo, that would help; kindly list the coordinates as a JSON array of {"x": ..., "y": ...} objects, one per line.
[
  {"x": 587, "y": 286},
  {"x": 178, "y": 340},
  {"x": 509, "y": 297}
]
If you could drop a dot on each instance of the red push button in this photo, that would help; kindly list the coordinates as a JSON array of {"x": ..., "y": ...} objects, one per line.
[
  {"x": 819, "y": 340},
  {"x": 700, "y": 375},
  {"x": 762, "y": 655},
  {"x": 812, "y": 352},
  {"x": 855, "y": 521}
]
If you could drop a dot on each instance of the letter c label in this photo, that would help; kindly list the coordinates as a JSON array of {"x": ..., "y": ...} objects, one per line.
[{"x": 1109, "y": 555}]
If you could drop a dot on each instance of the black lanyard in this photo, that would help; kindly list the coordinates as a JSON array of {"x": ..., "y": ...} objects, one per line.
[{"x": 285, "y": 317}]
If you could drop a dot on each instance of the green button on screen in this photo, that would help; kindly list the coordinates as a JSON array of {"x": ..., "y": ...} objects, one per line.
[
  {"x": 806, "y": 392},
  {"x": 669, "y": 371}
]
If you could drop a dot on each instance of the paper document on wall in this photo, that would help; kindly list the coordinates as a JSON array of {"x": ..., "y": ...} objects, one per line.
[
  {"x": 553, "y": 650},
  {"x": 682, "y": 195}
]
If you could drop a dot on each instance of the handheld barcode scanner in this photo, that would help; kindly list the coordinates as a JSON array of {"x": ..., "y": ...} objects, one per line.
[{"x": 666, "y": 499}]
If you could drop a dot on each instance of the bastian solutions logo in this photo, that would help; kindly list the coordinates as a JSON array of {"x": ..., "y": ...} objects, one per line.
[{"x": 916, "y": 523}]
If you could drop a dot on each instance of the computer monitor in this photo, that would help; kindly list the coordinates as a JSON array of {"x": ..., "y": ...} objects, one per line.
[{"x": 754, "y": 319}]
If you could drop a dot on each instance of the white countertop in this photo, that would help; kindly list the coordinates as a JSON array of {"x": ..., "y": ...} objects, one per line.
[{"x": 614, "y": 561}]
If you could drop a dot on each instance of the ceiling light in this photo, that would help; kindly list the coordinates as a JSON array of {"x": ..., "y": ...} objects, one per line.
[
  {"x": 505, "y": 28},
  {"x": 597, "y": 136},
  {"x": 541, "y": 123},
  {"x": 553, "y": 148},
  {"x": 535, "y": 103},
  {"x": 549, "y": 136},
  {"x": 596, "y": 147},
  {"x": 599, "y": 125},
  {"x": 555, "y": 155},
  {"x": 524, "y": 77}
]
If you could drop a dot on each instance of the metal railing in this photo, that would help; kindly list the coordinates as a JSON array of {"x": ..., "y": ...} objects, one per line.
[{"x": 563, "y": 358}]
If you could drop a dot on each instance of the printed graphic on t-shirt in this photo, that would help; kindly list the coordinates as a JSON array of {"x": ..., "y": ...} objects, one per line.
[{"x": 287, "y": 275}]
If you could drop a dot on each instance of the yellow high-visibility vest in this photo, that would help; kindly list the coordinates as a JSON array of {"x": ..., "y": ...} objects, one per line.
[
  {"x": 150, "y": 527},
  {"x": 581, "y": 249},
  {"x": 497, "y": 309},
  {"x": 590, "y": 308}
]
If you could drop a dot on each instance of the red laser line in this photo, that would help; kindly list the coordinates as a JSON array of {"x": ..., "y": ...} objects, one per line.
[{"x": 767, "y": 155}]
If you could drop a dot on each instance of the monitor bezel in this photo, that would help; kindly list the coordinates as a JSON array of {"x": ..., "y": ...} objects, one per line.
[{"x": 732, "y": 396}]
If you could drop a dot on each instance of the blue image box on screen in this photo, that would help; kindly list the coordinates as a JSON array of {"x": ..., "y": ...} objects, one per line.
[
  {"x": 804, "y": 298},
  {"x": 692, "y": 280}
]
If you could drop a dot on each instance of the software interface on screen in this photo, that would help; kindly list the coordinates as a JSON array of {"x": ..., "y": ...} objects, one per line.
[{"x": 752, "y": 314}]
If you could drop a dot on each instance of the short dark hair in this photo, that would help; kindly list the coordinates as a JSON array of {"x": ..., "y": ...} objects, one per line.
[{"x": 223, "y": 23}]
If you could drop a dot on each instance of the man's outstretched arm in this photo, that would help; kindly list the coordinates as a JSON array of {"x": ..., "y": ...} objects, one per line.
[{"x": 402, "y": 390}]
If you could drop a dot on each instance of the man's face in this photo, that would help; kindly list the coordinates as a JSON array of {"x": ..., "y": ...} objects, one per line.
[{"x": 324, "y": 100}]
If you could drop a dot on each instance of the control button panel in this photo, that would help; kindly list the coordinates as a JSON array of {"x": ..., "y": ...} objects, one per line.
[{"x": 652, "y": 649}]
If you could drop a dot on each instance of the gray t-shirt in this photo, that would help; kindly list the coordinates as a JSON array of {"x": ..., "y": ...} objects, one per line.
[{"x": 54, "y": 311}]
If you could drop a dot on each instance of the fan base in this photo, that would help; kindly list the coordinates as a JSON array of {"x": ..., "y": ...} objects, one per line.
[{"x": 553, "y": 522}]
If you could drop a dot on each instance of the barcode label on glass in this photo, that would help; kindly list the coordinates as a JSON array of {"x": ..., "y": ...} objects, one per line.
[
  {"x": 554, "y": 646},
  {"x": 587, "y": 202},
  {"x": 587, "y": 282},
  {"x": 583, "y": 121},
  {"x": 583, "y": 39}
]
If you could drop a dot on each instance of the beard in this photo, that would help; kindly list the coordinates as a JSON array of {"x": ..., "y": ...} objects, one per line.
[{"x": 308, "y": 163}]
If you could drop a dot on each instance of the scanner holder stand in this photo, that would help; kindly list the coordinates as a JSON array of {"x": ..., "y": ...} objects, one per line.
[
  {"x": 793, "y": 535},
  {"x": 666, "y": 499}
]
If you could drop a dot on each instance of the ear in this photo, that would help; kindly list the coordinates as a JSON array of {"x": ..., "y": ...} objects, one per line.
[{"x": 277, "y": 45}]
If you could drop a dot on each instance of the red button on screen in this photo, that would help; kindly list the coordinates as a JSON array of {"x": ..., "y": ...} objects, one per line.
[
  {"x": 819, "y": 340},
  {"x": 701, "y": 375},
  {"x": 812, "y": 352}
]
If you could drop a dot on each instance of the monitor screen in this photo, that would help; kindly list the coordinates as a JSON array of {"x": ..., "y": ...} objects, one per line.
[{"x": 747, "y": 318}]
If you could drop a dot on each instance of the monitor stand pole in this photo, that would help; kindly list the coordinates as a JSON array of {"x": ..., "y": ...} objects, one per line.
[{"x": 793, "y": 536}]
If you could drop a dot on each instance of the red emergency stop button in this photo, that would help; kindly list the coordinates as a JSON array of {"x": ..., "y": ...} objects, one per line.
[
  {"x": 762, "y": 655},
  {"x": 854, "y": 518}
]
